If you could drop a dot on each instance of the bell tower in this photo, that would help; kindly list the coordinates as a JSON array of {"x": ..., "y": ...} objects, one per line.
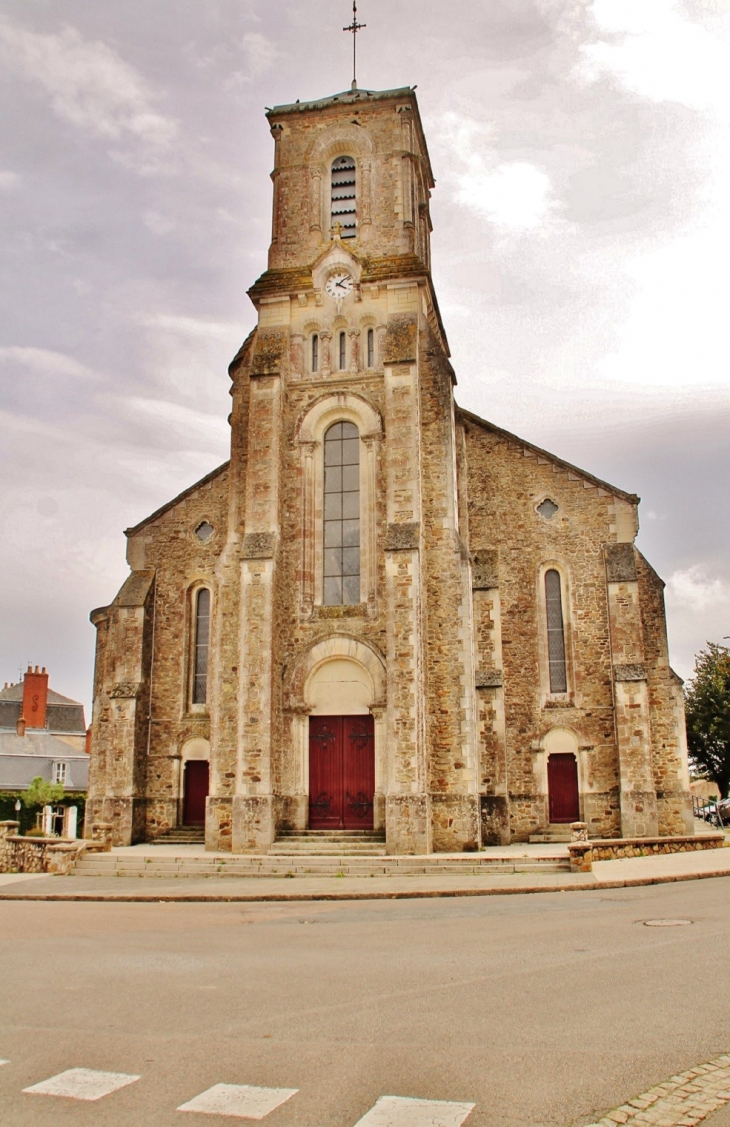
[
  {"x": 358, "y": 158},
  {"x": 343, "y": 506}
]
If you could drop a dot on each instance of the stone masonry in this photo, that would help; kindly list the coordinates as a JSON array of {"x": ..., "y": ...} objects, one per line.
[{"x": 447, "y": 647}]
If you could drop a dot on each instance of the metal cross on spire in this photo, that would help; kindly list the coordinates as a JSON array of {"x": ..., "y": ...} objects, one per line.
[{"x": 354, "y": 27}]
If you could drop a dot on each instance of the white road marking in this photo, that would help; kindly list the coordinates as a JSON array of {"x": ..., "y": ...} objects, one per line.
[
  {"x": 400, "y": 1111},
  {"x": 4, "y": 1062},
  {"x": 82, "y": 1084},
  {"x": 241, "y": 1100}
]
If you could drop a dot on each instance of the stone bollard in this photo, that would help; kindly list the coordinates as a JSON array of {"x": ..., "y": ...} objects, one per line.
[
  {"x": 7, "y": 829},
  {"x": 101, "y": 836},
  {"x": 578, "y": 831}
]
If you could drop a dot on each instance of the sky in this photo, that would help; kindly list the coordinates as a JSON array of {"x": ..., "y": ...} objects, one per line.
[{"x": 580, "y": 253}]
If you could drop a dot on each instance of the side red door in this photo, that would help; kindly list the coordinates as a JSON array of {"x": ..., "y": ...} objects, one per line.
[
  {"x": 563, "y": 788},
  {"x": 341, "y": 772},
  {"x": 195, "y": 792}
]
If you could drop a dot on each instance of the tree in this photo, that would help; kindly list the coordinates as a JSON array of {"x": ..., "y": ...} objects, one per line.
[
  {"x": 707, "y": 700},
  {"x": 42, "y": 793}
]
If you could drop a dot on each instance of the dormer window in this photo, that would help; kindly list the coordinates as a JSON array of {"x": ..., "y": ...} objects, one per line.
[
  {"x": 344, "y": 208},
  {"x": 60, "y": 772}
]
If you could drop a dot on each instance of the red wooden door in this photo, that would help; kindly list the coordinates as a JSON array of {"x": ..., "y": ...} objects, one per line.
[
  {"x": 195, "y": 792},
  {"x": 341, "y": 772},
  {"x": 563, "y": 788}
]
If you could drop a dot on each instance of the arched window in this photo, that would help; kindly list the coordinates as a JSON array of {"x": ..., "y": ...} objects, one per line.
[
  {"x": 343, "y": 196},
  {"x": 342, "y": 352},
  {"x": 202, "y": 643},
  {"x": 555, "y": 632},
  {"x": 315, "y": 352},
  {"x": 371, "y": 348},
  {"x": 341, "y": 572}
]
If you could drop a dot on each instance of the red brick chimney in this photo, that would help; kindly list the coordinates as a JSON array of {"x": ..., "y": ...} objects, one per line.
[
  {"x": 87, "y": 745},
  {"x": 35, "y": 697}
]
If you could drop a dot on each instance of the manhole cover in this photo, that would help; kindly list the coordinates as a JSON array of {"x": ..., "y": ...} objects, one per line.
[{"x": 666, "y": 923}]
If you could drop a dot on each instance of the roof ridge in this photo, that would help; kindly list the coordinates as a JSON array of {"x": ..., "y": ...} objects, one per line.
[{"x": 554, "y": 458}]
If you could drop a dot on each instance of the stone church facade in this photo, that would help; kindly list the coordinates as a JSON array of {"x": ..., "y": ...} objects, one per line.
[{"x": 382, "y": 613}]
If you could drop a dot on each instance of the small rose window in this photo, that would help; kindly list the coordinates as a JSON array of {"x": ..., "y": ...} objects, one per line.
[
  {"x": 204, "y": 531},
  {"x": 547, "y": 509}
]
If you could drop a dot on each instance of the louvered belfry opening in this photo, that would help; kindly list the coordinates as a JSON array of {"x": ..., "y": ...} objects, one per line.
[{"x": 344, "y": 208}]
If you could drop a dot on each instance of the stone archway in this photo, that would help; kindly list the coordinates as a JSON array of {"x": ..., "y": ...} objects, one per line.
[{"x": 340, "y": 676}]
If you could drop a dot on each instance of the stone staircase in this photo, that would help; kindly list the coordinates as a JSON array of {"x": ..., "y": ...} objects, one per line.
[
  {"x": 329, "y": 843},
  {"x": 181, "y": 835},
  {"x": 196, "y": 863}
]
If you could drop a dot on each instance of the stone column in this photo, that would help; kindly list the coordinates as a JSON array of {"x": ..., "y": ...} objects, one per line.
[
  {"x": 121, "y": 716},
  {"x": 407, "y": 804},
  {"x": 253, "y": 817},
  {"x": 630, "y": 694},
  {"x": 494, "y": 788}
]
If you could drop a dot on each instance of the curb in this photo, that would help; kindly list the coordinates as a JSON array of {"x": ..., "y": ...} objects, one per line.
[{"x": 292, "y": 897}]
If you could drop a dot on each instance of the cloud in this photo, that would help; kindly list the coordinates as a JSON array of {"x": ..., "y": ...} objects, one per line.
[
  {"x": 259, "y": 53},
  {"x": 694, "y": 590},
  {"x": 47, "y": 363},
  {"x": 8, "y": 181},
  {"x": 512, "y": 195},
  {"x": 199, "y": 327},
  {"x": 89, "y": 85},
  {"x": 656, "y": 51}
]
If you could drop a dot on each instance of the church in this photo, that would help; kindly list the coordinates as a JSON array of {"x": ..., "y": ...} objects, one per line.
[{"x": 383, "y": 616}]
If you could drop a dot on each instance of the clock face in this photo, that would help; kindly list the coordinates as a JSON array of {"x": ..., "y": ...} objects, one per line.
[{"x": 339, "y": 285}]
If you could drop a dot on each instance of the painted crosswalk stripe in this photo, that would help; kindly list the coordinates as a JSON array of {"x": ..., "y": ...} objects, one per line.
[
  {"x": 241, "y": 1100},
  {"x": 400, "y": 1111},
  {"x": 82, "y": 1084}
]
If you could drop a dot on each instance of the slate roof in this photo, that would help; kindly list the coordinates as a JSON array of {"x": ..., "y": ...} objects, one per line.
[
  {"x": 62, "y": 713},
  {"x": 24, "y": 757}
]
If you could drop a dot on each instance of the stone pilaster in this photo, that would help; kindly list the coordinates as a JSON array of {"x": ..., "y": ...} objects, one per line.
[
  {"x": 630, "y": 694},
  {"x": 407, "y": 806},
  {"x": 253, "y": 809},
  {"x": 121, "y": 714}
]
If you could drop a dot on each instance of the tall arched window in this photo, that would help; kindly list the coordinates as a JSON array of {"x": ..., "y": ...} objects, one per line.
[
  {"x": 342, "y": 352},
  {"x": 343, "y": 196},
  {"x": 371, "y": 348},
  {"x": 201, "y": 647},
  {"x": 341, "y": 516},
  {"x": 315, "y": 352},
  {"x": 555, "y": 632}
]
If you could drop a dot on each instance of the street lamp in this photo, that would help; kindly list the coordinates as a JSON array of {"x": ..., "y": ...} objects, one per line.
[{"x": 17, "y": 812}]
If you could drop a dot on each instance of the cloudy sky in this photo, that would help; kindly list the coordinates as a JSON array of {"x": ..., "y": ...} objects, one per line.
[{"x": 581, "y": 251}]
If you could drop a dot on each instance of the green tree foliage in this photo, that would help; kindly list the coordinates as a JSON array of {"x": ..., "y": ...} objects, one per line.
[
  {"x": 707, "y": 700},
  {"x": 42, "y": 793}
]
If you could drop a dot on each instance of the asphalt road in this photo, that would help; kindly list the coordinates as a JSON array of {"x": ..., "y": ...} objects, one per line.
[{"x": 542, "y": 1010}]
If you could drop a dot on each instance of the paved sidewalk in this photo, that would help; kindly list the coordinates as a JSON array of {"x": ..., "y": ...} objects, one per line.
[
  {"x": 606, "y": 874},
  {"x": 682, "y": 1101}
]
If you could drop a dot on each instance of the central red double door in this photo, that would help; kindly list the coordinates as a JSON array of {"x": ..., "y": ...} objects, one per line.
[{"x": 341, "y": 772}]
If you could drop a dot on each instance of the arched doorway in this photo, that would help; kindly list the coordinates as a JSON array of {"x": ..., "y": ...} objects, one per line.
[
  {"x": 195, "y": 781},
  {"x": 341, "y": 746},
  {"x": 563, "y": 795}
]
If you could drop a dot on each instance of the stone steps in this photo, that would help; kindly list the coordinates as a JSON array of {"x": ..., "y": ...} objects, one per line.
[
  {"x": 217, "y": 865},
  {"x": 182, "y": 835}
]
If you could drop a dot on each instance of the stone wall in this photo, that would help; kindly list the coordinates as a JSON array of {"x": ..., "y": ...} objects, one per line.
[{"x": 583, "y": 854}]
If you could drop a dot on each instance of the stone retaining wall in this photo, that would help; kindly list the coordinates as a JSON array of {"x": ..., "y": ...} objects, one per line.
[
  {"x": 584, "y": 853},
  {"x": 36, "y": 854}
]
